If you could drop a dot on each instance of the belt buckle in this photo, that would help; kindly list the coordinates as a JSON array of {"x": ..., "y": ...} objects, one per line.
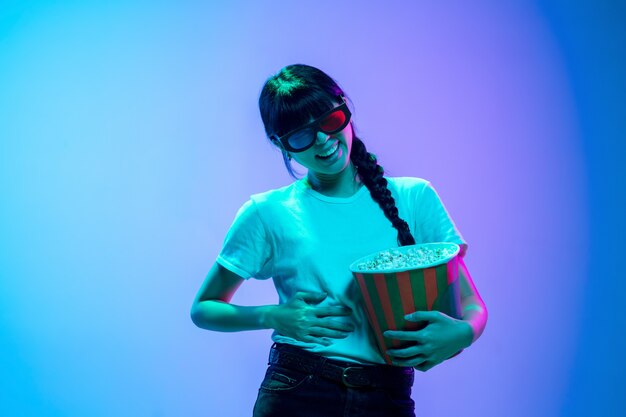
[{"x": 360, "y": 381}]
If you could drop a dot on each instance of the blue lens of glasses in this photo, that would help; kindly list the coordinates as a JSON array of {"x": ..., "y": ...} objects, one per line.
[{"x": 301, "y": 139}]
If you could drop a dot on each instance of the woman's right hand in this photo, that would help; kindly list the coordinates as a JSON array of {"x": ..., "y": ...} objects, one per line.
[{"x": 301, "y": 319}]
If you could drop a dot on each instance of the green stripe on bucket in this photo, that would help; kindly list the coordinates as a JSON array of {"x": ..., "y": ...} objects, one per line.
[
  {"x": 442, "y": 288},
  {"x": 419, "y": 292},
  {"x": 385, "y": 302},
  {"x": 395, "y": 299},
  {"x": 396, "y": 305}
]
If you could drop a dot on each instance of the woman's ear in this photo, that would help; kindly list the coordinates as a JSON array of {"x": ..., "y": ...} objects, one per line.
[{"x": 277, "y": 143}]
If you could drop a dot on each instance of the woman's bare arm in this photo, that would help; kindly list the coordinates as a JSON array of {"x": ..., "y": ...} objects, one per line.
[
  {"x": 473, "y": 308},
  {"x": 211, "y": 309},
  {"x": 300, "y": 317}
]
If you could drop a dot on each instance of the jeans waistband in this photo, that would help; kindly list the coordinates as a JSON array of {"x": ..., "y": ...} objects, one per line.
[{"x": 350, "y": 374}]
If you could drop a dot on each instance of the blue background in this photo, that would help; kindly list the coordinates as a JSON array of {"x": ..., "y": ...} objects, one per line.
[{"x": 130, "y": 136}]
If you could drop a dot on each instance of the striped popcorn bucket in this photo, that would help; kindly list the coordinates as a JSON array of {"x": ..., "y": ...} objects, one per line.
[{"x": 390, "y": 293}]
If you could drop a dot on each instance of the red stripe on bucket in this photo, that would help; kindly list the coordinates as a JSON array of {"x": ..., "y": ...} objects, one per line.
[
  {"x": 385, "y": 301},
  {"x": 430, "y": 285},
  {"x": 372, "y": 316},
  {"x": 406, "y": 297}
]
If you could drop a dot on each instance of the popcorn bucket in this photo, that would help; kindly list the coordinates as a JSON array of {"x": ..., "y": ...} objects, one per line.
[{"x": 399, "y": 281}]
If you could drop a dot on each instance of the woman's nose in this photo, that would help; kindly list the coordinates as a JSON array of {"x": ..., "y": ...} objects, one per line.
[{"x": 321, "y": 137}]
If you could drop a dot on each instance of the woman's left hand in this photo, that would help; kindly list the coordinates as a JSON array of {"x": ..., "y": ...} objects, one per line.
[{"x": 442, "y": 338}]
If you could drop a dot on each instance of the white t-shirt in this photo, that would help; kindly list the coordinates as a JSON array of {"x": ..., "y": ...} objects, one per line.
[{"x": 306, "y": 241}]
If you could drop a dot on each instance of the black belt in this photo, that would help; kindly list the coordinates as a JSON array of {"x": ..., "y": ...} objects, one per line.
[{"x": 349, "y": 374}]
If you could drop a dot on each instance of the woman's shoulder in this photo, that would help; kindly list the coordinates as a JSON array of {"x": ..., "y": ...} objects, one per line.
[{"x": 277, "y": 196}]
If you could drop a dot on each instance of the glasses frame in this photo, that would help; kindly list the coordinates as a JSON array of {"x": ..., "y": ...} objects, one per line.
[{"x": 315, "y": 126}]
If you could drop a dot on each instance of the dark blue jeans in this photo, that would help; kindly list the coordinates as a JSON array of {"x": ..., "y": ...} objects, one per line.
[{"x": 289, "y": 392}]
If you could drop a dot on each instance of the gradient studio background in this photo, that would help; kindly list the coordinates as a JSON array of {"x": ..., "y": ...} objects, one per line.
[{"x": 130, "y": 136}]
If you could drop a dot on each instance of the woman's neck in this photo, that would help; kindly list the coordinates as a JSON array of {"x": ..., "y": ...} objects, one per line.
[{"x": 343, "y": 184}]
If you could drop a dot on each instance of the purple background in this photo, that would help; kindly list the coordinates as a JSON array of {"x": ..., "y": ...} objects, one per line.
[{"x": 130, "y": 135}]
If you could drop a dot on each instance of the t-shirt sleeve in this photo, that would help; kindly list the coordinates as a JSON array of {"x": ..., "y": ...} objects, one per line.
[
  {"x": 246, "y": 250},
  {"x": 434, "y": 223}
]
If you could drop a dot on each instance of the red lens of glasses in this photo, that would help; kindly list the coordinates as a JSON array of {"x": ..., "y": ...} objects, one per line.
[{"x": 333, "y": 121}]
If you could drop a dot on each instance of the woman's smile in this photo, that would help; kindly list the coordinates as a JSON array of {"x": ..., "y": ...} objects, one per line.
[{"x": 328, "y": 152}]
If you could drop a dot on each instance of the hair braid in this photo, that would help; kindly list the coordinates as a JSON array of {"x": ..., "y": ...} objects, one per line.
[{"x": 371, "y": 175}]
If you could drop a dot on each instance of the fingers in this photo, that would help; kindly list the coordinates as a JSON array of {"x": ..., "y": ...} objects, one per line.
[
  {"x": 333, "y": 324},
  {"x": 415, "y": 336},
  {"x": 425, "y": 366},
  {"x": 333, "y": 311},
  {"x": 419, "y": 362},
  {"x": 321, "y": 332},
  {"x": 331, "y": 328},
  {"x": 425, "y": 316},
  {"x": 311, "y": 297},
  {"x": 408, "y": 352},
  {"x": 316, "y": 340}
]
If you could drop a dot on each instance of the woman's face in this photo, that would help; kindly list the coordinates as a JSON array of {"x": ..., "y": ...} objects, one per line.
[{"x": 338, "y": 144}]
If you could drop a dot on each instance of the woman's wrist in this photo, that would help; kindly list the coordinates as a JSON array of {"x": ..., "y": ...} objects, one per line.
[{"x": 267, "y": 316}]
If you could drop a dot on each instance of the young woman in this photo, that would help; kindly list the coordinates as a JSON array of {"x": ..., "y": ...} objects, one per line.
[{"x": 325, "y": 361}]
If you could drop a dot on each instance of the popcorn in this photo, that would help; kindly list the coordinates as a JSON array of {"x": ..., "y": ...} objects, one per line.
[{"x": 415, "y": 257}]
